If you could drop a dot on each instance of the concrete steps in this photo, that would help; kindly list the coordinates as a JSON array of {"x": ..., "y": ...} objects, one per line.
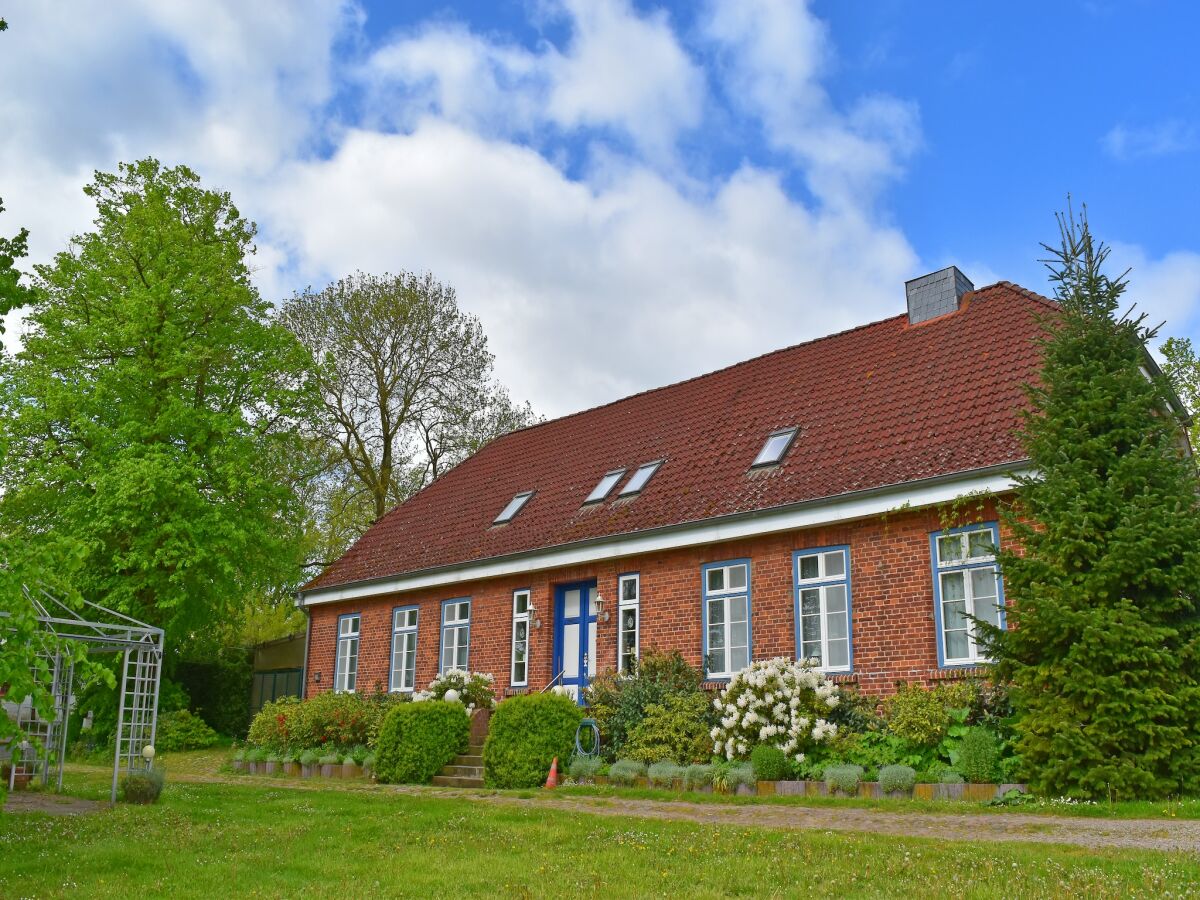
[{"x": 465, "y": 770}]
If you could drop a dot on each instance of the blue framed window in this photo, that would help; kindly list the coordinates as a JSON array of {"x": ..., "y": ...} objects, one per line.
[
  {"x": 519, "y": 676},
  {"x": 345, "y": 668},
  {"x": 456, "y": 634},
  {"x": 404, "y": 649},
  {"x": 822, "y": 607},
  {"x": 726, "y": 614},
  {"x": 966, "y": 586},
  {"x": 629, "y": 600}
]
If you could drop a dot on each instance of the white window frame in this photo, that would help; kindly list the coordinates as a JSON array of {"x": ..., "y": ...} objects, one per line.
[
  {"x": 821, "y": 583},
  {"x": 965, "y": 563},
  {"x": 345, "y": 665},
  {"x": 726, "y": 595},
  {"x": 625, "y": 605},
  {"x": 405, "y": 620},
  {"x": 520, "y": 618},
  {"x": 453, "y": 626}
]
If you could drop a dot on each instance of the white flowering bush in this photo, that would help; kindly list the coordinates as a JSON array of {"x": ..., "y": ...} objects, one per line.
[
  {"x": 475, "y": 689},
  {"x": 778, "y": 702}
]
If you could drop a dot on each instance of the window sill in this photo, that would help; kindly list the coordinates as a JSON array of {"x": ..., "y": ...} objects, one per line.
[{"x": 952, "y": 671}]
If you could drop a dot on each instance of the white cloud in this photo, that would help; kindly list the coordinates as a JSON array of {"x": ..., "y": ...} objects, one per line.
[
  {"x": 1126, "y": 143},
  {"x": 620, "y": 70},
  {"x": 1166, "y": 288},
  {"x": 774, "y": 53},
  {"x": 590, "y": 293}
]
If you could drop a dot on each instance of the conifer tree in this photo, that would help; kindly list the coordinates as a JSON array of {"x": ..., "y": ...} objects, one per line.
[{"x": 1104, "y": 655}]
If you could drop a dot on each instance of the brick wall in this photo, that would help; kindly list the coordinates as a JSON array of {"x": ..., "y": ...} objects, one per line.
[{"x": 893, "y": 630}]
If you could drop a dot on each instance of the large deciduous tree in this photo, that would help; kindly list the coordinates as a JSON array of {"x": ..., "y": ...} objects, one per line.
[
  {"x": 1104, "y": 656},
  {"x": 407, "y": 388},
  {"x": 151, "y": 418}
]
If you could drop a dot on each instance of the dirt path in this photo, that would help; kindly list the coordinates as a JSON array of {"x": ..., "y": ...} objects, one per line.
[
  {"x": 51, "y": 804},
  {"x": 1148, "y": 834}
]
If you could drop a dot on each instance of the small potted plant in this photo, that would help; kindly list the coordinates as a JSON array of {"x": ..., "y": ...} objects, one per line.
[
  {"x": 308, "y": 763},
  {"x": 271, "y": 764},
  {"x": 330, "y": 762},
  {"x": 288, "y": 763}
]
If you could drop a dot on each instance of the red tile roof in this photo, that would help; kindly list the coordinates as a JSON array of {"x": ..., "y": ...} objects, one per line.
[{"x": 878, "y": 405}]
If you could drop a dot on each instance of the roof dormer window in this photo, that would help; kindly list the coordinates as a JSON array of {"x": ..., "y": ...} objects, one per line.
[
  {"x": 774, "y": 449},
  {"x": 604, "y": 488},
  {"x": 637, "y": 481},
  {"x": 515, "y": 505}
]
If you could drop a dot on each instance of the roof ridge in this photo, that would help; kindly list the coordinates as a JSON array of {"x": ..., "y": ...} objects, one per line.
[{"x": 1023, "y": 291}]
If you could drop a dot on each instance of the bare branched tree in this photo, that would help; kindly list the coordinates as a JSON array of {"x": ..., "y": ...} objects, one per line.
[{"x": 407, "y": 388}]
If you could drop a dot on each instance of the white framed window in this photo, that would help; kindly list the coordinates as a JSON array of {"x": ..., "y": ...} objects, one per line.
[
  {"x": 456, "y": 634},
  {"x": 404, "y": 649},
  {"x": 822, "y": 579},
  {"x": 967, "y": 586},
  {"x": 520, "y": 638},
  {"x": 726, "y": 618},
  {"x": 629, "y": 596},
  {"x": 345, "y": 670}
]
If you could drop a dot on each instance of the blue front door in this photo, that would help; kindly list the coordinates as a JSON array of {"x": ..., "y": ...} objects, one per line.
[{"x": 575, "y": 635}]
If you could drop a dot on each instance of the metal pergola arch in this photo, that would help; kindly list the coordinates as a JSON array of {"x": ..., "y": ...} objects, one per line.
[{"x": 141, "y": 646}]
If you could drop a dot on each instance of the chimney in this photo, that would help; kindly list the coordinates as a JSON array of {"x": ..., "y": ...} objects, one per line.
[{"x": 935, "y": 294}]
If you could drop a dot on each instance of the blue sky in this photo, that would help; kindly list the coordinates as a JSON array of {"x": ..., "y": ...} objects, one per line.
[{"x": 625, "y": 192}]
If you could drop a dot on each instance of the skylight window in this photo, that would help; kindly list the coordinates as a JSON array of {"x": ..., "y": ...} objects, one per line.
[
  {"x": 776, "y": 446},
  {"x": 514, "y": 506},
  {"x": 604, "y": 488},
  {"x": 638, "y": 480}
]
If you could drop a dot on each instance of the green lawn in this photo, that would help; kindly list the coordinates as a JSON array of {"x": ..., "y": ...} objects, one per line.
[{"x": 221, "y": 840}]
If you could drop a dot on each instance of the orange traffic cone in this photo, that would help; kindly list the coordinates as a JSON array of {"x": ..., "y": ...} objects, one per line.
[{"x": 552, "y": 780}]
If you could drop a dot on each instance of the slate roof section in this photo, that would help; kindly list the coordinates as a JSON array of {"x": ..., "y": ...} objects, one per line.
[{"x": 879, "y": 405}]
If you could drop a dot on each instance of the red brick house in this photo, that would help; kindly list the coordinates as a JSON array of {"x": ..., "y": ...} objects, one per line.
[{"x": 786, "y": 505}]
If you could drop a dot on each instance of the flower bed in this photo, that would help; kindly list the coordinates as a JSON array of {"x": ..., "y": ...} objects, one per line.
[{"x": 865, "y": 789}]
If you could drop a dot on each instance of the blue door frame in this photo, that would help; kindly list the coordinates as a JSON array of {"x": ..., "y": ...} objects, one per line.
[{"x": 586, "y": 620}]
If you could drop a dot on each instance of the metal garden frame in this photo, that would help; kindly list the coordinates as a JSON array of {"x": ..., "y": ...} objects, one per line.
[{"x": 141, "y": 670}]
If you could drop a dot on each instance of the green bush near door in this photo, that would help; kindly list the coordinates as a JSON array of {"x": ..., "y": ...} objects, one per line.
[
  {"x": 417, "y": 739},
  {"x": 525, "y": 735}
]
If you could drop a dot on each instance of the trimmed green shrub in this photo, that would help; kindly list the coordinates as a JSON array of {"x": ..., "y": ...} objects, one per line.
[
  {"x": 584, "y": 766},
  {"x": 359, "y": 754},
  {"x": 183, "y": 730},
  {"x": 664, "y": 773},
  {"x": 417, "y": 739},
  {"x": 843, "y": 779},
  {"x": 349, "y": 760},
  {"x": 979, "y": 756},
  {"x": 143, "y": 786},
  {"x": 770, "y": 763},
  {"x": 329, "y": 759},
  {"x": 309, "y": 758},
  {"x": 675, "y": 728},
  {"x": 525, "y": 735},
  {"x": 240, "y": 755},
  {"x": 626, "y": 771},
  {"x": 949, "y": 776},
  {"x": 897, "y": 778},
  {"x": 618, "y": 701},
  {"x": 256, "y": 755},
  {"x": 698, "y": 775}
]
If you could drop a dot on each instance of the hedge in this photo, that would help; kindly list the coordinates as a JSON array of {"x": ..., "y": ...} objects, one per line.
[
  {"x": 525, "y": 735},
  {"x": 417, "y": 739}
]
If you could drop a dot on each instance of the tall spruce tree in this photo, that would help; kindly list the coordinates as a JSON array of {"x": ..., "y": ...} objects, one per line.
[{"x": 1104, "y": 658}]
